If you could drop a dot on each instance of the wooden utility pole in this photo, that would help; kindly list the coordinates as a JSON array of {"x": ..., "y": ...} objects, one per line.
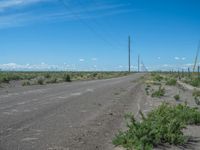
[
  {"x": 196, "y": 58},
  {"x": 138, "y": 63},
  {"x": 129, "y": 54}
]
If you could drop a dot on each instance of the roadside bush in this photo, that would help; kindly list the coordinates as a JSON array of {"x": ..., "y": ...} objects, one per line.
[
  {"x": 171, "y": 82},
  {"x": 26, "y": 83},
  {"x": 5, "y": 79},
  {"x": 162, "y": 125},
  {"x": 40, "y": 80},
  {"x": 47, "y": 75},
  {"x": 159, "y": 93},
  {"x": 52, "y": 80},
  {"x": 177, "y": 97},
  {"x": 194, "y": 82},
  {"x": 157, "y": 78},
  {"x": 67, "y": 78},
  {"x": 196, "y": 95}
]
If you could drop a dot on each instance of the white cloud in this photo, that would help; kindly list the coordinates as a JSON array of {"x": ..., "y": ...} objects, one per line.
[
  {"x": 183, "y": 58},
  {"x": 81, "y": 59},
  {"x": 158, "y": 58},
  {"x": 176, "y": 58},
  {"x": 94, "y": 59}
]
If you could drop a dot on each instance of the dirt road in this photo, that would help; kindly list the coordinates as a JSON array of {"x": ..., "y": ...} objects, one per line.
[{"x": 81, "y": 115}]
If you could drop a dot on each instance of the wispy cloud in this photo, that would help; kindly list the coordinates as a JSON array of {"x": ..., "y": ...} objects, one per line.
[
  {"x": 176, "y": 58},
  {"x": 179, "y": 58},
  {"x": 81, "y": 60},
  {"x": 94, "y": 59},
  {"x": 5, "y": 4},
  {"x": 10, "y": 17}
]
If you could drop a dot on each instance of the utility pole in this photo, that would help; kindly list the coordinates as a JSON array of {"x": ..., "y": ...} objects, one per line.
[
  {"x": 129, "y": 54},
  {"x": 138, "y": 63},
  {"x": 196, "y": 58}
]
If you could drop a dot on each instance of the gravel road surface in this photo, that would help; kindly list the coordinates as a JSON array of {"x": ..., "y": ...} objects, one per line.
[{"x": 68, "y": 116}]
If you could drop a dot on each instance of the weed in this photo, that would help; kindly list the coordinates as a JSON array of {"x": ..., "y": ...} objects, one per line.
[
  {"x": 159, "y": 93},
  {"x": 67, "y": 78},
  {"x": 26, "y": 83},
  {"x": 40, "y": 80},
  {"x": 171, "y": 82},
  {"x": 177, "y": 97},
  {"x": 197, "y": 100},
  {"x": 157, "y": 78},
  {"x": 196, "y": 95},
  {"x": 52, "y": 80},
  {"x": 147, "y": 88},
  {"x": 162, "y": 125}
]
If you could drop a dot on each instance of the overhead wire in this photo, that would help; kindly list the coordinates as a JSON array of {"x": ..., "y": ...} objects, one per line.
[
  {"x": 106, "y": 32},
  {"x": 82, "y": 21}
]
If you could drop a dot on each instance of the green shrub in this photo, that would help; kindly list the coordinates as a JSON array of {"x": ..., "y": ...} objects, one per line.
[
  {"x": 177, "y": 97},
  {"x": 162, "y": 125},
  {"x": 147, "y": 88},
  {"x": 159, "y": 93},
  {"x": 194, "y": 82},
  {"x": 157, "y": 78},
  {"x": 67, "y": 78},
  {"x": 197, "y": 100},
  {"x": 171, "y": 82},
  {"x": 52, "y": 80},
  {"x": 5, "y": 79},
  {"x": 40, "y": 80},
  {"x": 26, "y": 83},
  {"x": 47, "y": 75}
]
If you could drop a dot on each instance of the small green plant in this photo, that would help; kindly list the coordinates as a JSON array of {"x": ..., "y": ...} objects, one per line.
[
  {"x": 52, "y": 80},
  {"x": 197, "y": 100},
  {"x": 26, "y": 83},
  {"x": 47, "y": 75},
  {"x": 157, "y": 77},
  {"x": 5, "y": 79},
  {"x": 40, "y": 80},
  {"x": 193, "y": 81},
  {"x": 177, "y": 97},
  {"x": 171, "y": 82},
  {"x": 147, "y": 88},
  {"x": 196, "y": 95},
  {"x": 162, "y": 125},
  {"x": 159, "y": 93},
  {"x": 67, "y": 78}
]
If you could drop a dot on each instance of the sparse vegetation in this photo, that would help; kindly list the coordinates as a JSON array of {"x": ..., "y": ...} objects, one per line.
[
  {"x": 171, "y": 82},
  {"x": 40, "y": 80},
  {"x": 55, "y": 77},
  {"x": 159, "y": 93},
  {"x": 177, "y": 97},
  {"x": 67, "y": 78},
  {"x": 147, "y": 89},
  {"x": 162, "y": 125},
  {"x": 196, "y": 95},
  {"x": 26, "y": 83}
]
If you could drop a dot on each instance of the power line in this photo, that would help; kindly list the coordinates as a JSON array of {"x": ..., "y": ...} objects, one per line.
[
  {"x": 117, "y": 43},
  {"x": 86, "y": 24}
]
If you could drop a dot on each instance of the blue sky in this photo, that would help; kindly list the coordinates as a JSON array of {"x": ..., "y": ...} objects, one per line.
[{"x": 93, "y": 34}]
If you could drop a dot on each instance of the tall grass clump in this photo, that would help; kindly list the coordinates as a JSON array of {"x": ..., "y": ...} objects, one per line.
[
  {"x": 67, "y": 78},
  {"x": 40, "y": 80},
  {"x": 171, "y": 82},
  {"x": 158, "y": 93},
  {"x": 162, "y": 125}
]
